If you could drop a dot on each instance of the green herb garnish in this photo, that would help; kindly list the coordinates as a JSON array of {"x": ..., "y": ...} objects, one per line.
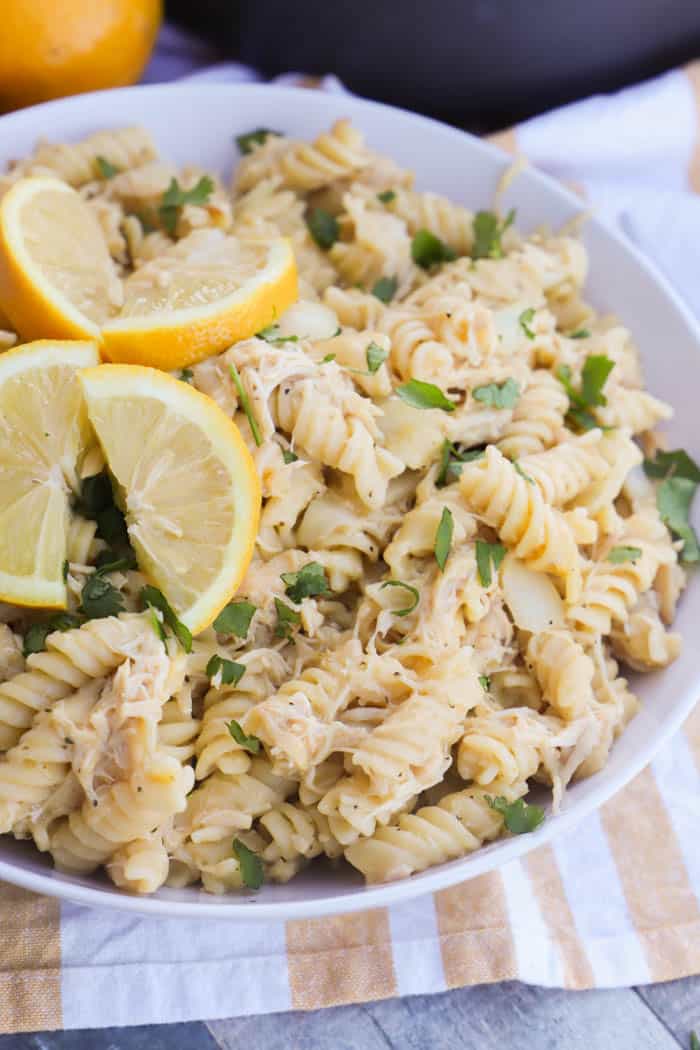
[
  {"x": 594, "y": 375},
  {"x": 375, "y": 357},
  {"x": 424, "y": 395},
  {"x": 36, "y": 635},
  {"x": 428, "y": 250},
  {"x": 486, "y": 555},
  {"x": 151, "y": 596},
  {"x": 519, "y": 470},
  {"x": 308, "y": 582},
  {"x": 250, "y": 864},
  {"x": 619, "y": 555},
  {"x": 64, "y": 569},
  {"x": 581, "y": 333},
  {"x": 288, "y": 456},
  {"x": 286, "y": 618},
  {"x": 100, "y": 598},
  {"x": 231, "y": 672},
  {"x": 248, "y": 743},
  {"x": 519, "y": 817},
  {"x": 386, "y": 196},
  {"x": 235, "y": 618},
  {"x": 106, "y": 169},
  {"x": 406, "y": 587},
  {"x": 245, "y": 405},
  {"x": 328, "y": 358},
  {"x": 525, "y": 320},
  {"x": 488, "y": 231},
  {"x": 674, "y": 496},
  {"x": 272, "y": 334},
  {"x": 258, "y": 137},
  {"x": 498, "y": 395},
  {"x": 323, "y": 227},
  {"x": 485, "y": 682},
  {"x": 186, "y": 375},
  {"x": 443, "y": 538},
  {"x": 385, "y": 289},
  {"x": 452, "y": 461},
  {"x": 175, "y": 198}
]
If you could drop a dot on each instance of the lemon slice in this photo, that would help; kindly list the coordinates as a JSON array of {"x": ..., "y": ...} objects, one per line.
[
  {"x": 57, "y": 280},
  {"x": 188, "y": 484},
  {"x": 207, "y": 292},
  {"x": 44, "y": 431}
]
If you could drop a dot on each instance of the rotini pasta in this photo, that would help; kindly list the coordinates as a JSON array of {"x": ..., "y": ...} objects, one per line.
[{"x": 459, "y": 551}]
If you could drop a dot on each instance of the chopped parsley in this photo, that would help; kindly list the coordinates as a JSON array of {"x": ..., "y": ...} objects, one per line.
[
  {"x": 525, "y": 320},
  {"x": 385, "y": 289},
  {"x": 485, "y": 682},
  {"x": 424, "y": 395},
  {"x": 452, "y": 461},
  {"x": 231, "y": 672},
  {"x": 186, "y": 375},
  {"x": 386, "y": 196},
  {"x": 64, "y": 570},
  {"x": 594, "y": 375},
  {"x": 328, "y": 358},
  {"x": 620, "y": 555},
  {"x": 155, "y": 599},
  {"x": 106, "y": 169},
  {"x": 428, "y": 250},
  {"x": 248, "y": 743},
  {"x": 308, "y": 582},
  {"x": 258, "y": 137},
  {"x": 694, "y": 1041},
  {"x": 36, "y": 635},
  {"x": 519, "y": 817},
  {"x": 272, "y": 334},
  {"x": 175, "y": 198},
  {"x": 250, "y": 864},
  {"x": 110, "y": 561},
  {"x": 488, "y": 554},
  {"x": 375, "y": 357},
  {"x": 680, "y": 476},
  {"x": 288, "y": 456},
  {"x": 286, "y": 619},
  {"x": 488, "y": 232},
  {"x": 323, "y": 227},
  {"x": 406, "y": 587},
  {"x": 580, "y": 333},
  {"x": 97, "y": 502},
  {"x": 521, "y": 472},
  {"x": 245, "y": 404},
  {"x": 498, "y": 395},
  {"x": 235, "y": 619},
  {"x": 100, "y": 598},
  {"x": 443, "y": 538}
]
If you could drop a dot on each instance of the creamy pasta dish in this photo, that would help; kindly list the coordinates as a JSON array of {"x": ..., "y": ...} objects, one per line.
[{"x": 453, "y": 532}]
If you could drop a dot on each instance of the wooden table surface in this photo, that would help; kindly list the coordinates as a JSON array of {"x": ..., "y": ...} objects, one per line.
[{"x": 507, "y": 1016}]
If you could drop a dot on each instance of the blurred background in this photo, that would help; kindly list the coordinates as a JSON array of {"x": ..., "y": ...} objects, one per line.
[
  {"x": 479, "y": 64},
  {"x": 482, "y": 64}
]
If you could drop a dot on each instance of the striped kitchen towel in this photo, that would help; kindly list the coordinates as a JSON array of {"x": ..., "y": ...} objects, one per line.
[{"x": 617, "y": 902}]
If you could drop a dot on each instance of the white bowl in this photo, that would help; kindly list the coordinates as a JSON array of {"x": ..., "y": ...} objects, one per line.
[{"x": 197, "y": 123}]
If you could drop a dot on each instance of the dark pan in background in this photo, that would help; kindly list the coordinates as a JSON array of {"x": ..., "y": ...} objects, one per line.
[{"x": 481, "y": 64}]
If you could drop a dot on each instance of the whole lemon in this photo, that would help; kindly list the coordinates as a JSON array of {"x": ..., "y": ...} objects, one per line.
[{"x": 50, "y": 48}]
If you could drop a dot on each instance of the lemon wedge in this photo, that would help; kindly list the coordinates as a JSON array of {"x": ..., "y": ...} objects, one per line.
[
  {"x": 43, "y": 435},
  {"x": 207, "y": 292},
  {"x": 187, "y": 482},
  {"x": 57, "y": 279}
]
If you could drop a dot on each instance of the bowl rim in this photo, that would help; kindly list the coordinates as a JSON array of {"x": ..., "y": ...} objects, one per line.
[{"x": 249, "y": 908}]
